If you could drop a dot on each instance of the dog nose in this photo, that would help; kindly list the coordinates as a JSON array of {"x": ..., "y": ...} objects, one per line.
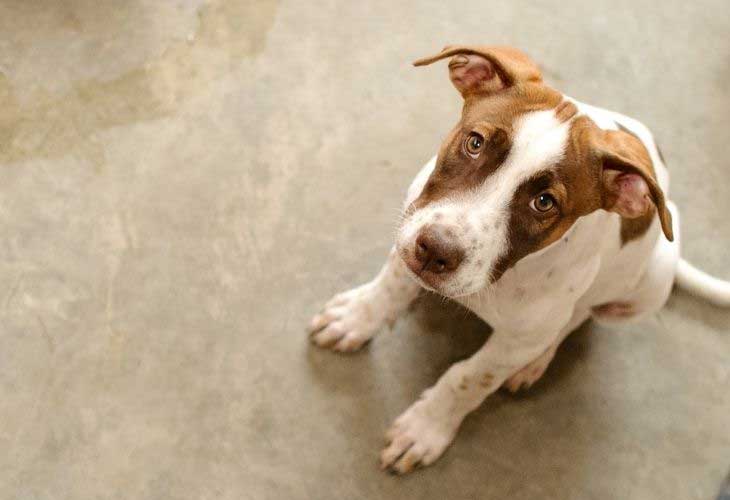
[{"x": 437, "y": 249}]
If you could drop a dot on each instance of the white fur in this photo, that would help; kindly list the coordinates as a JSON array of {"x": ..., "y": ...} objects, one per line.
[
  {"x": 481, "y": 216},
  {"x": 533, "y": 306},
  {"x": 352, "y": 318}
]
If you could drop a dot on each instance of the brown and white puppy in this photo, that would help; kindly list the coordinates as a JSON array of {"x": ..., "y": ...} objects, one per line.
[{"x": 538, "y": 213}]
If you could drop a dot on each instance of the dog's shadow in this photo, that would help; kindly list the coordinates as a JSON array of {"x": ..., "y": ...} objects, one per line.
[
  {"x": 463, "y": 333},
  {"x": 433, "y": 335},
  {"x": 368, "y": 389}
]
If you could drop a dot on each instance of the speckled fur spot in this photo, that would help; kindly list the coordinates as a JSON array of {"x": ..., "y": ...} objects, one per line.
[{"x": 486, "y": 380}]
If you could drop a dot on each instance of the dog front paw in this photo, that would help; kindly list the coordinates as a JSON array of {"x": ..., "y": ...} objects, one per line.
[
  {"x": 350, "y": 319},
  {"x": 419, "y": 436}
]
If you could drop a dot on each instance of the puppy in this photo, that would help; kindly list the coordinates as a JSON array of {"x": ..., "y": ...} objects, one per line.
[{"x": 538, "y": 213}]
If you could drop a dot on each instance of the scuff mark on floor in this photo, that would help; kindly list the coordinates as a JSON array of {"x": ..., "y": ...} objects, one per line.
[{"x": 56, "y": 125}]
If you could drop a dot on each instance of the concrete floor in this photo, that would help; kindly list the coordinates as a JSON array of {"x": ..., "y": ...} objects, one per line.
[{"x": 183, "y": 183}]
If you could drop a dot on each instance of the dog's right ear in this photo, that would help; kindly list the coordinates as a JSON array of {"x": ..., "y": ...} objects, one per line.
[
  {"x": 478, "y": 70},
  {"x": 629, "y": 187}
]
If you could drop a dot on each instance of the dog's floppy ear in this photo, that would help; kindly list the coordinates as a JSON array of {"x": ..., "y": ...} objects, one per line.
[
  {"x": 484, "y": 70},
  {"x": 629, "y": 187}
]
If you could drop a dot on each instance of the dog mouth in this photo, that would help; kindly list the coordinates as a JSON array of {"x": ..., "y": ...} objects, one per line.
[{"x": 438, "y": 290}]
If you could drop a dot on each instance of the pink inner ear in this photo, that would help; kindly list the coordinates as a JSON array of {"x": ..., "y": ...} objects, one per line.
[
  {"x": 632, "y": 195},
  {"x": 471, "y": 75},
  {"x": 470, "y": 72}
]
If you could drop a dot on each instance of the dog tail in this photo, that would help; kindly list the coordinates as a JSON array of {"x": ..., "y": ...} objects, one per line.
[{"x": 703, "y": 285}]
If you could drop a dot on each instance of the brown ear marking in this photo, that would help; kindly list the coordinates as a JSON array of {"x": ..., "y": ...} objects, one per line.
[
  {"x": 627, "y": 174},
  {"x": 512, "y": 65}
]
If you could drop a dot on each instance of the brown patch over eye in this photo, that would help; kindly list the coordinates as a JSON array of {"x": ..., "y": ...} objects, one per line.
[
  {"x": 574, "y": 188},
  {"x": 536, "y": 220},
  {"x": 487, "y": 146},
  {"x": 492, "y": 119}
]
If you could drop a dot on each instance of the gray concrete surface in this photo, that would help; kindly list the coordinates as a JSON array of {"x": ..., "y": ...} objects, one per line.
[{"x": 183, "y": 183}]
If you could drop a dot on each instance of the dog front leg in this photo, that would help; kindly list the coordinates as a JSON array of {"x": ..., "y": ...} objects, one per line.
[
  {"x": 352, "y": 318},
  {"x": 531, "y": 373},
  {"x": 422, "y": 433}
]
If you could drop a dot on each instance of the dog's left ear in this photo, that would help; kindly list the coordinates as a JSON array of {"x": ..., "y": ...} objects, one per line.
[
  {"x": 629, "y": 187},
  {"x": 485, "y": 70}
]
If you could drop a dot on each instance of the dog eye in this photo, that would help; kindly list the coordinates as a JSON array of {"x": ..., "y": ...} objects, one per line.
[
  {"x": 543, "y": 203},
  {"x": 474, "y": 144}
]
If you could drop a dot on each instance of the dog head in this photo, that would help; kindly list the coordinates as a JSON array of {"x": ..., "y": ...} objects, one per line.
[{"x": 514, "y": 174}]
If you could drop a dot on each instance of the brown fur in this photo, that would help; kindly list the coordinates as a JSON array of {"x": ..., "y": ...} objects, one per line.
[
  {"x": 494, "y": 119},
  {"x": 486, "y": 380},
  {"x": 512, "y": 66},
  {"x": 632, "y": 229},
  {"x": 499, "y": 85},
  {"x": 565, "y": 111},
  {"x": 574, "y": 182},
  {"x": 621, "y": 151},
  {"x": 451, "y": 175}
]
